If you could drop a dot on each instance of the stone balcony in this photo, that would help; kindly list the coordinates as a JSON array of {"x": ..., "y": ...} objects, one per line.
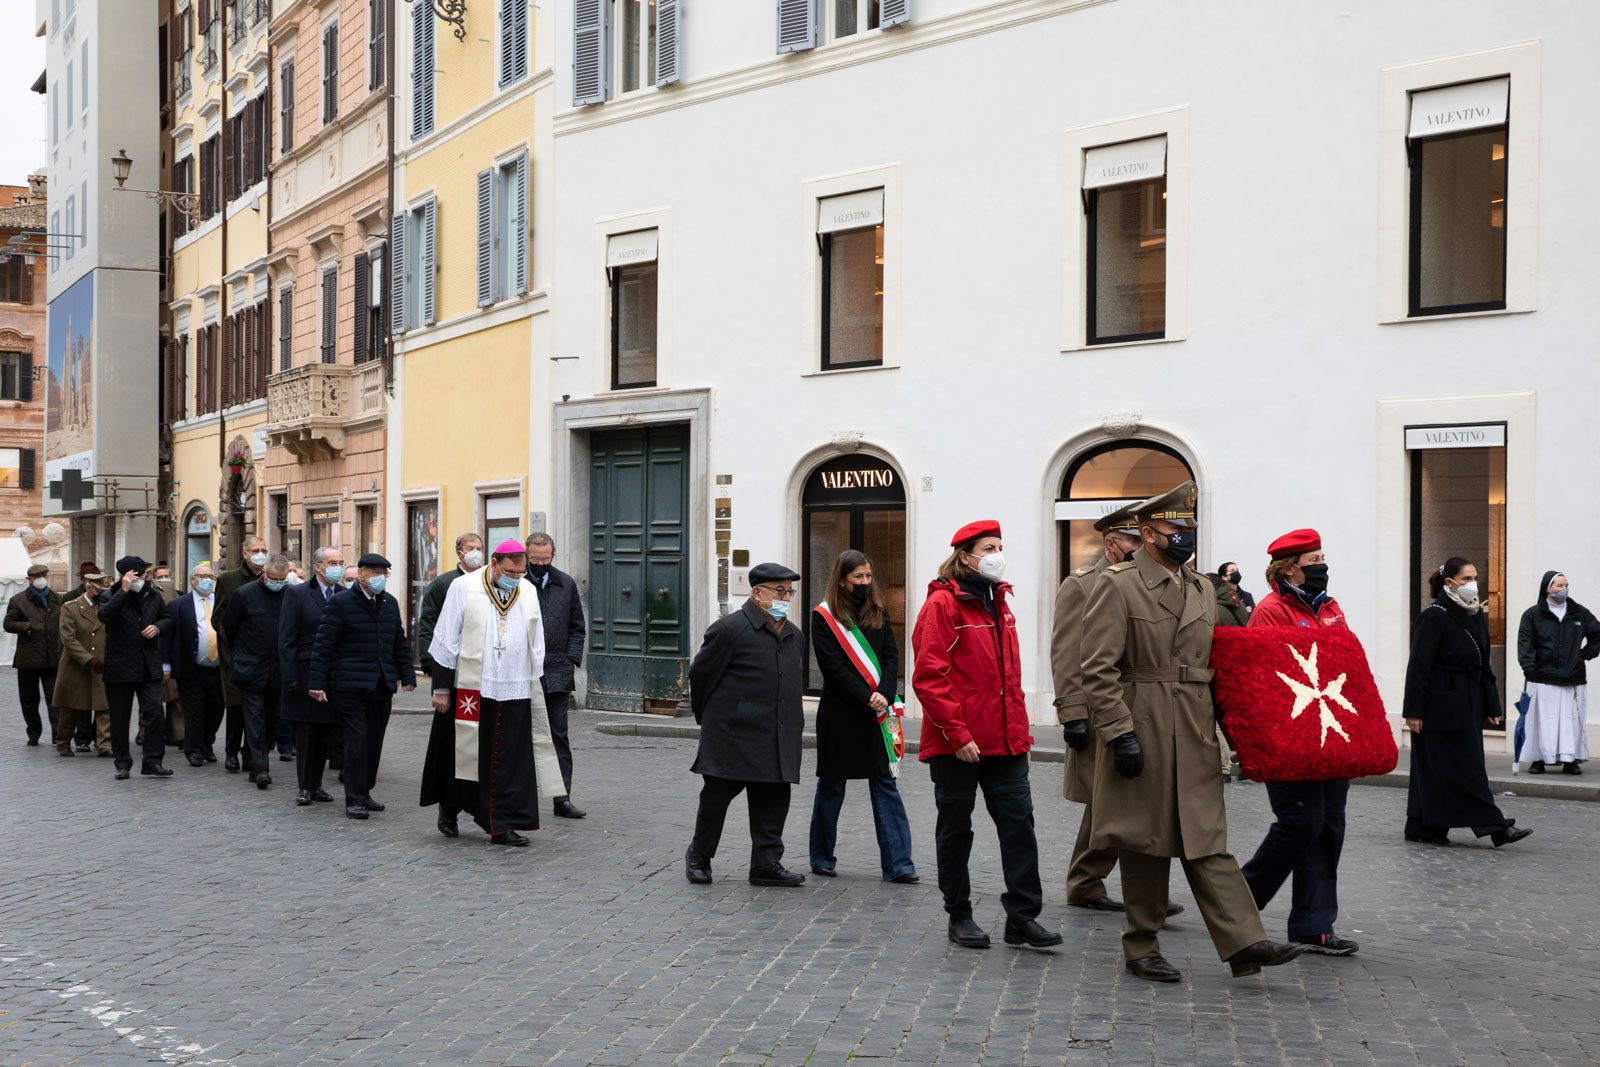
[{"x": 309, "y": 407}]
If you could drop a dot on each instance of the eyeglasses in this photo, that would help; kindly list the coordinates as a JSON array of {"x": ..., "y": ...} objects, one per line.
[{"x": 781, "y": 594}]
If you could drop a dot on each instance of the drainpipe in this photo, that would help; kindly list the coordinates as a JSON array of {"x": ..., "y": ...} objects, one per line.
[
  {"x": 222, "y": 289},
  {"x": 388, "y": 255}
]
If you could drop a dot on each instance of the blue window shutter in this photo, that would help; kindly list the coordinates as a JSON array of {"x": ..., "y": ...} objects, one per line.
[
  {"x": 669, "y": 50},
  {"x": 520, "y": 71},
  {"x": 893, "y": 13},
  {"x": 422, "y": 77},
  {"x": 430, "y": 231},
  {"x": 799, "y": 25},
  {"x": 485, "y": 238},
  {"x": 520, "y": 236},
  {"x": 397, "y": 273},
  {"x": 591, "y": 52}
]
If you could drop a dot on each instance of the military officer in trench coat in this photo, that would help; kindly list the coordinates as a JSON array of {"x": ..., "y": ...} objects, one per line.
[
  {"x": 745, "y": 685},
  {"x": 1157, "y": 795}
]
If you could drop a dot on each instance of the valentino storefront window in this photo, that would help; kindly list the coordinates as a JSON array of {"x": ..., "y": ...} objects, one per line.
[
  {"x": 1101, "y": 481},
  {"x": 857, "y": 502}
]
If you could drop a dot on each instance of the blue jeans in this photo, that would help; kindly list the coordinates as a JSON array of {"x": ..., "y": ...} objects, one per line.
[{"x": 888, "y": 816}]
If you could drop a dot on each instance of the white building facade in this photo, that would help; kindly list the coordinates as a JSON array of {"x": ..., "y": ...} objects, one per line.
[{"x": 857, "y": 272}]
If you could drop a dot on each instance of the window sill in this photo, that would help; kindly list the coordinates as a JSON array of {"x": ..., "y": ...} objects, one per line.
[
  {"x": 849, "y": 370},
  {"x": 1396, "y": 321},
  {"x": 1122, "y": 344}
]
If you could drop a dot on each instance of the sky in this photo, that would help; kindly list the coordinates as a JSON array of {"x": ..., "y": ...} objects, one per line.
[{"x": 22, "y": 111}]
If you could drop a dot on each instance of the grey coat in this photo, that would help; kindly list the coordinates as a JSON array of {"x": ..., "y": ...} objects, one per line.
[{"x": 745, "y": 684}]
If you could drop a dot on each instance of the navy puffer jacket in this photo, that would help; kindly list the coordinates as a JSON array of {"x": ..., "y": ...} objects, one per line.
[{"x": 361, "y": 645}]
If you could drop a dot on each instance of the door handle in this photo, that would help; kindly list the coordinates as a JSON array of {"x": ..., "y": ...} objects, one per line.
[
  {"x": 661, "y": 593},
  {"x": 627, "y": 590}
]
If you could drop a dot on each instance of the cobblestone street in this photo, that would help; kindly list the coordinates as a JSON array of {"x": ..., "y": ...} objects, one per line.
[{"x": 198, "y": 920}]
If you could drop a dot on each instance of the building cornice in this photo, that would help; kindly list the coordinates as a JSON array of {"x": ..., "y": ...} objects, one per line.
[
  {"x": 475, "y": 117},
  {"x": 297, "y": 216}
]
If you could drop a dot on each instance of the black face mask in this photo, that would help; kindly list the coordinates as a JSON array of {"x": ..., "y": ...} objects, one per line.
[
  {"x": 538, "y": 571},
  {"x": 859, "y": 595},
  {"x": 1316, "y": 582},
  {"x": 1179, "y": 547},
  {"x": 1233, "y": 579}
]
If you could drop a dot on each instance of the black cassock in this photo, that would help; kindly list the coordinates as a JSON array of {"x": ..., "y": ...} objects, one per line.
[{"x": 506, "y": 795}]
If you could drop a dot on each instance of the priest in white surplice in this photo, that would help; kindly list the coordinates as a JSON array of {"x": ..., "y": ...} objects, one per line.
[{"x": 490, "y": 753}]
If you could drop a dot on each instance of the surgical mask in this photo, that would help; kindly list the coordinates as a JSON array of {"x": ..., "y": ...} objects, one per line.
[
  {"x": 1468, "y": 593},
  {"x": 137, "y": 585},
  {"x": 333, "y": 574},
  {"x": 778, "y": 609},
  {"x": 1316, "y": 578},
  {"x": 204, "y": 586},
  {"x": 472, "y": 559},
  {"x": 992, "y": 568},
  {"x": 376, "y": 583},
  {"x": 275, "y": 587},
  {"x": 508, "y": 582},
  {"x": 1179, "y": 547},
  {"x": 1559, "y": 595},
  {"x": 41, "y": 583},
  {"x": 538, "y": 570},
  {"x": 258, "y": 559}
]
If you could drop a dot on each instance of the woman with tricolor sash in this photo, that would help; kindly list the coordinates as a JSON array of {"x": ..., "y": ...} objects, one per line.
[{"x": 858, "y": 718}]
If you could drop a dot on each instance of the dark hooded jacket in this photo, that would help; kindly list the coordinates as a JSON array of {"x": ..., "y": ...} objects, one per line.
[{"x": 1553, "y": 650}]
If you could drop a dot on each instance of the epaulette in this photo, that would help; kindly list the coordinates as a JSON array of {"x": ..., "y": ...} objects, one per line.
[
  {"x": 1118, "y": 568},
  {"x": 1081, "y": 571}
]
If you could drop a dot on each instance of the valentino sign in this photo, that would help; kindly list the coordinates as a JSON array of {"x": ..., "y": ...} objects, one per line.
[
  {"x": 1490, "y": 435},
  {"x": 857, "y": 479}
]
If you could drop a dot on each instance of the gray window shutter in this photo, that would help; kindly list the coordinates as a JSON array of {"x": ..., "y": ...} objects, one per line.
[
  {"x": 397, "y": 273},
  {"x": 513, "y": 21},
  {"x": 361, "y": 313},
  {"x": 422, "y": 74},
  {"x": 893, "y": 13},
  {"x": 430, "y": 220},
  {"x": 285, "y": 329},
  {"x": 521, "y": 236},
  {"x": 799, "y": 25},
  {"x": 520, "y": 20},
  {"x": 485, "y": 238},
  {"x": 591, "y": 52},
  {"x": 668, "y": 49},
  {"x": 330, "y": 316}
]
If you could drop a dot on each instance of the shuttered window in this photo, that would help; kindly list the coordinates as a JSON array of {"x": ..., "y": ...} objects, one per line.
[
  {"x": 286, "y": 327},
  {"x": 513, "y": 24},
  {"x": 229, "y": 355},
  {"x": 398, "y": 266},
  {"x": 503, "y": 230},
  {"x": 13, "y": 374},
  {"x": 591, "y": 51},
  {"x": 430, "y": 231},
  {"x": 263, "y": 319},
  {"x": 422, "y": 25},
  {"x": 330, "y": 315},
  {"x": 377, "y": 56},
  {"x": 359, "y": 312},
  {"x": 487, "y": 238},
  {"x": 27, "y": 470},
  {"x": 799, "y": 25},
  {"x": 330, "y": 74},
  {"x": 286, "y": 108},
  {"x": 669, "y": 52},
  {"x": 177, "y": 377}
]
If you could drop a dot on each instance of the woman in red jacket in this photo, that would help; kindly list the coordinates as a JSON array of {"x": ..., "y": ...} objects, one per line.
[
  {"x": 1308, "y": 836},
  {"x": 975, "y": 733}
]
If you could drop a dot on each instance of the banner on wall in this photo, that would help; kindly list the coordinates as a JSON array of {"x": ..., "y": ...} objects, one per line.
[{"x": 69, "y": 385}]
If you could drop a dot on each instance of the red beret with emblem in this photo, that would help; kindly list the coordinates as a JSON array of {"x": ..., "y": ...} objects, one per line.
[
  {"x": 974, "y": 530},
  {"x": 1295, "y": 543}
]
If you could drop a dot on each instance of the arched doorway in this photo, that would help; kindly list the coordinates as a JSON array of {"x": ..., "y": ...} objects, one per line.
[
  {"x": 196, "y": 542},
  {"x": 1104, "y": 479},
  {"x": 855, "y": 501}
]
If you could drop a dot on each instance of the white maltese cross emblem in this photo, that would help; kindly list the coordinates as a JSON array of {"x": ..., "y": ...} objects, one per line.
[
  {"x": 1305, "y": 695},
  {"x": 467, "y": 706}
]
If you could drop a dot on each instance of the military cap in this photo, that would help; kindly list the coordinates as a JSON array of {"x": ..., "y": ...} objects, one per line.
[
  {"x": 1175, "y": 506},
  {"x": 1124, "y": 520},
  {"x": 763, "y": 573},
  {"x": 373, "y": 562}
]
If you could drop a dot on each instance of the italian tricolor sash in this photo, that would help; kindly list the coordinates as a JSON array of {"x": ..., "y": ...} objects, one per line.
[{"x": 860, "y": 654}]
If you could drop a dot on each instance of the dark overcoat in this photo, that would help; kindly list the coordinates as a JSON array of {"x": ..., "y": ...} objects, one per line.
[
  {"x": 228, "y": 583},
  {"x": 361, "y": 645},
  {"x": 37, "y": 624},
  {"x": 746, "y": 684},
  {"x": 564, "y": 630},
  {"x": 849, "y": 739},
  {"x": 251, "y": 625},
  {"x": 131, "y": 657},
  {"x": 297, "y": 633}
]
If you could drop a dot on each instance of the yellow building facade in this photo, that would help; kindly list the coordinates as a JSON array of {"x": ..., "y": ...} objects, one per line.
[
  {"x": 219, "y": 324},
  {"x": 468, "y": 294}
]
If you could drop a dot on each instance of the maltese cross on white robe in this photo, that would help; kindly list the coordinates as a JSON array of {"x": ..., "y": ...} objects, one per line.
[{"x": 1305, "y": 695}]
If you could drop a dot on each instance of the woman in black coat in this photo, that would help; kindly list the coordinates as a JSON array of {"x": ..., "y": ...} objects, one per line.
[
  {"x": 850, "y": 743},
  {"x": 1450, "y": 694}
]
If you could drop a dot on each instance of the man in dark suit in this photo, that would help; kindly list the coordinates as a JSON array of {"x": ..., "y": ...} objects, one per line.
[
  {"x": 189, "y": 651},
  {"x": 34, "y": 615},
  {"x": 316, "y": 729},
  {"x": 251, "y": 627},
  {"x": 359, "y": 657},
  {"x": 135, "y": 618},
  {"x": 249, "y": 570},
  {"x": 745, "y": 685},
  {"x": 564, "y": 634}
]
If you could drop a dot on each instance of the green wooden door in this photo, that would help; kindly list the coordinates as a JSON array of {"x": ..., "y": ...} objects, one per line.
[{"x": 638, "y": 566}]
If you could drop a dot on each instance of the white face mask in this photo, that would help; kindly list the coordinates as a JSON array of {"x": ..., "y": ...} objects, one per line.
[
  {"x": 41, "y": 583},
  {"x": 292, "y": 578},
  {"x": 1468, "y": 593},
  {"x": 472, "y": 559},
  {"x": 258, "y": 559},
  {"x": 992, "y": 568},
  {"x": 136, "y": 585}
]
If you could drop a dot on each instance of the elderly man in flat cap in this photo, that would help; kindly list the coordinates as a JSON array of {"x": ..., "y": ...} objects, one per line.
[
  {"x": 360, "y": 656},
  {"x": 135, "y": 618},
  {"x": 745, "y": 686},
  {"x": 34, "y": 615}
]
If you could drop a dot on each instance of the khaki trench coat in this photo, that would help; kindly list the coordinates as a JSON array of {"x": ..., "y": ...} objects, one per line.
[
  {"x": 1146, "y": 645},
  {"x": 1066, "y": 671},
  {"x": 83, "y": 637}
]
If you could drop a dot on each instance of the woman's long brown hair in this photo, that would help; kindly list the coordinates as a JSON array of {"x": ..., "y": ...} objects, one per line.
[{"x": 870, "y": 617}]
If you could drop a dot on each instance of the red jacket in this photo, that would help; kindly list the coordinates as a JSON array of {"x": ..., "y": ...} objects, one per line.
[
  {"x": 1275, "y": 609},
  {"x": 967, "y": 674}
]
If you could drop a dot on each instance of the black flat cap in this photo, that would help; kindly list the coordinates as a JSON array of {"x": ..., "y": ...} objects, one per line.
[
  {"x": 762, "y": 573},
  {"x": 373, "y": 561},
  {"x": 131, "y": 563}
]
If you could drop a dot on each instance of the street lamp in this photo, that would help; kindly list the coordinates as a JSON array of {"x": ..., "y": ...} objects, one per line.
[
  {"x": 120, "y": 166},
  {"x": 187, "y": 203}
]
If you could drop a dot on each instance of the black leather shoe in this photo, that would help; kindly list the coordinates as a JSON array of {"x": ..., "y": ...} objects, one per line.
[
  {"x": 263, "y": 780},
  {"x": 123, "y": 772},
  {"x": 566, "y": 809},
  {"x": 448, "y": 826},
  {"x": 196, "y": 761},
  {"x": 1174, "y": 909},
  {"x": 1509, "y": 834},
  {"x": 825, "y": 872},
  {"x": 1098, "y": 904},
  {"x": 1536, "y": 767},
  {"x": 321, "y": 795},
  {"x": 1030, "y": 934},
  {"x": 355, "y": 811},
  {"x": 84, "y": 746},
  {"x": 1570, "y": 768},
  {"x": 286, "y": 757},
  {"x": 967, "y": 934},
  {"x": 696, "y": 868},
  {"x": 303, "y": 798},
  {"x": 510, "y": 837},
  {"x": 33, "y": 742},
  {"x": 211, "y": 755},
  {"x": 1327, "y": 944},
  {"x": 157, "y": 770},
  {"x": 906, "y": 879},
  {"x": 1250, "y": 960},
  {"x": 231, "y": 764},
  {"x": 253, "y": 775},
  {"x": 373, "y": 805},
  {"x": 1154, "y": 969},
  {"x": 776, "y": 874}
]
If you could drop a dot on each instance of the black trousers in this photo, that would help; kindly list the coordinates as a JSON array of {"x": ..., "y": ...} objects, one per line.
[
  {"x": 556, "y": 704},
  {"x": 1006, "y": 793},
  {"x": 29, "y": 682},
  {"x": 1305, "y": 842},
  {"x": 769, "y": 809},
  {"x": 152, "y": 719},
  {"x": 233, "y": 739},
  {"x": 200, "y": 693},
  {"x": 313, "y": 741},
  {"x": 260, "y": 726},
  {"x": 364, "y": 717}
]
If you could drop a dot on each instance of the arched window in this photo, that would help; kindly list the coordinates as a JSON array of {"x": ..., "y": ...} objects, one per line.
[
  {"x": 1103, "y": 480},
  {"x": 856, "y": 501}
]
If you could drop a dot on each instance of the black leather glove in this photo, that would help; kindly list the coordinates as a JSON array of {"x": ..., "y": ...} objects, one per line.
[
  {"x": 1076, "y": 734},
  {"x": 1126, "y": 755}
]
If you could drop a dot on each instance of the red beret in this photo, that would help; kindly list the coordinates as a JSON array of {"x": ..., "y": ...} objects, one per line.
[
  {"x": 1295, "y": 543},
  {"x": 974, "y": 530}
]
